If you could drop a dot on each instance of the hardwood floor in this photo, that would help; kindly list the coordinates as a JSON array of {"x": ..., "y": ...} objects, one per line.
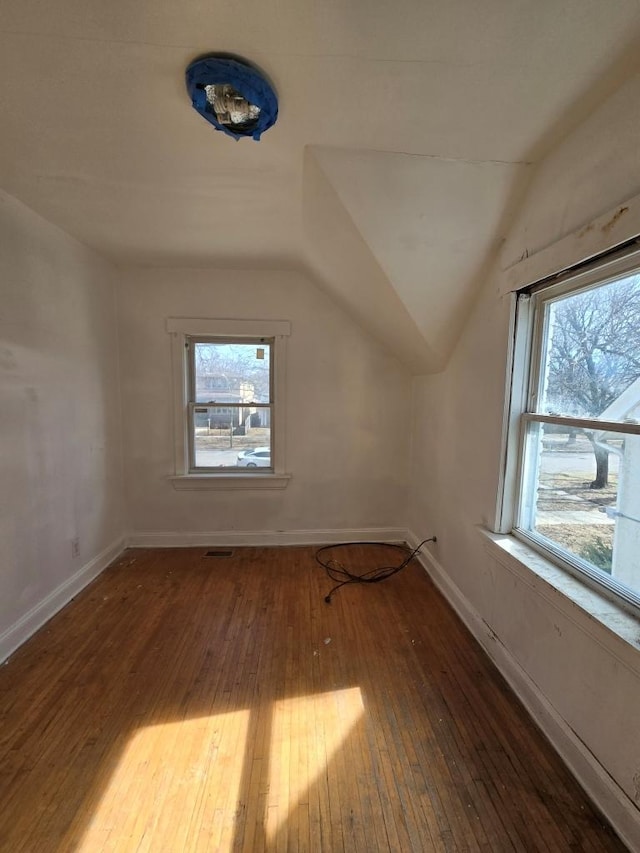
[{"x": 192, "y": 703}]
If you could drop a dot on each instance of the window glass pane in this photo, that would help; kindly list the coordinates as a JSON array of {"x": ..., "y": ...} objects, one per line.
[
  {"x": 232, "y": 372},
  {"x": 232, "y": 437},
  {"x": 592, "y": 353},
  {"x": 582, "y": 492}
]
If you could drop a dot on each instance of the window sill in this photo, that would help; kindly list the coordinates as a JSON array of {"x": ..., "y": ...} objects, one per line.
[
  {"x": 545, "y": 577},
  {"x": 198, "y": 482}
]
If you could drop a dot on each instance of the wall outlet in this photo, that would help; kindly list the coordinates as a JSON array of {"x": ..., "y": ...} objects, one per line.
[{"x": 75, "y": 547}]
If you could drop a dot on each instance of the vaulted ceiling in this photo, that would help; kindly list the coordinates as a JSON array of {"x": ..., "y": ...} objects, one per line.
[{"x": 406, "y": 134}]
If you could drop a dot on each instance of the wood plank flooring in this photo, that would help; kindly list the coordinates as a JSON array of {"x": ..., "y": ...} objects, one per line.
[{"x": 190, "y": 703}]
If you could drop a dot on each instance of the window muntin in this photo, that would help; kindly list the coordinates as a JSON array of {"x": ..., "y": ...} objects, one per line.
[
  {"x": 579, "y": 494},
  {"x": 230, "y": 405}
]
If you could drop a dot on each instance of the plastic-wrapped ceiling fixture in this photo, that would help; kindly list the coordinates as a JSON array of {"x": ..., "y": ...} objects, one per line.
[
  {"x": 232, "y": 95},
  {"x": 231, "y": 108}
]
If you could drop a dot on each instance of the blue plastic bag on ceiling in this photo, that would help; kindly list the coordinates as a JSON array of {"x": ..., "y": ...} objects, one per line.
[{"x": 246, "y": 80}]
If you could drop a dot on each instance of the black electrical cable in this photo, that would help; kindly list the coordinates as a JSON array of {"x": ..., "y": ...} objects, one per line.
[{"x": 337, "y": 572}]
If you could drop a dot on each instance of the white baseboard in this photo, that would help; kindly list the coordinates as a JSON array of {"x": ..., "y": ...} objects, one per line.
[
  {"x": 28, "y": 624},
  {"x": 591, "y": 775},
  {"x": 179, "y": 539}
]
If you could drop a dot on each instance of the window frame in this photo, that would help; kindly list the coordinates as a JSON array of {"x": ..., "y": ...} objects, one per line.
[
  {"x": 183, "y": 331},
  {"x": 192, "y": 404},
  {"x": 527, "y": 354}
]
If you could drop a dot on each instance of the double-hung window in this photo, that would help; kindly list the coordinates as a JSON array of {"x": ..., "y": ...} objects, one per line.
[
  {"x": 230, "y": 408},
  {"x": 229, "y": 402},
  {"x": 579, "y": 470}
]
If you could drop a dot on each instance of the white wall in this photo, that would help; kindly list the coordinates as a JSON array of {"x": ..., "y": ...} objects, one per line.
[
  {"x": 61, "y": 463},
  {"x": 585, "y": 677},
  {"x": 347, "y": 411}
]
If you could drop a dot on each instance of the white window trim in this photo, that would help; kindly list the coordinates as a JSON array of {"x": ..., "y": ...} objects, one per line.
[
  {"x": 529, "y": 552},
  {"x": 181, "y": 328}
]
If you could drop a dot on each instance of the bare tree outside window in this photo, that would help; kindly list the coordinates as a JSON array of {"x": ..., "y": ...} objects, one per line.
[
  {"x": 593, "y": 356},
  {"x": 234, "y": 364}
]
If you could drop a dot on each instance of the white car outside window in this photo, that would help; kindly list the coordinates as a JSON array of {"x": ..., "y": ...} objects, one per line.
[{"x": 260, "y": 457}]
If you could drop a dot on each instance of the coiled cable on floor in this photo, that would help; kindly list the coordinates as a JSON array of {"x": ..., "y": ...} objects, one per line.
[{"x": 344, "y": 576}]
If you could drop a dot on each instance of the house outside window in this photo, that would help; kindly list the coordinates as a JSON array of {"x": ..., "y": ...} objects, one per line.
[
  {"x": 229, "y": 388},
  {"x": 578, "y": 495},
  {"x": 230, "y": 407}
]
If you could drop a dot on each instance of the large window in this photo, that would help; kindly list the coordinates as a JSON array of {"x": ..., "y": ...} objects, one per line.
[
  {"x": 579, "y": 480},
  {"x": 229, "y": 402}
]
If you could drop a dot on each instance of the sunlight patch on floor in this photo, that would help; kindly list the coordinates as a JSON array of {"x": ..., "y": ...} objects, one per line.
[
  {"x": 211, "y": 783},
  {"x": 307, "y": 733},
  {"x": 175, "y": 787}
]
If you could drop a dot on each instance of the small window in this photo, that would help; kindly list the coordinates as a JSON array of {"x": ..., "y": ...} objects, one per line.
[
  {"x": 230, "y": 407},
  {"x": 579, "y": 479},
  {"x": 229, "y": 402}
]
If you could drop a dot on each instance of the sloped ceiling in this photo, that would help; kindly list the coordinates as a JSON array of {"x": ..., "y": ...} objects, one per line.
[
  {"x": 431, "y": 223},
  {"x": 418, "y": 121}
]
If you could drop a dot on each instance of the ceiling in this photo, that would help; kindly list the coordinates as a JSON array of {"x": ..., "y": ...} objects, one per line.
[{"x": 414, "y": 125}]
